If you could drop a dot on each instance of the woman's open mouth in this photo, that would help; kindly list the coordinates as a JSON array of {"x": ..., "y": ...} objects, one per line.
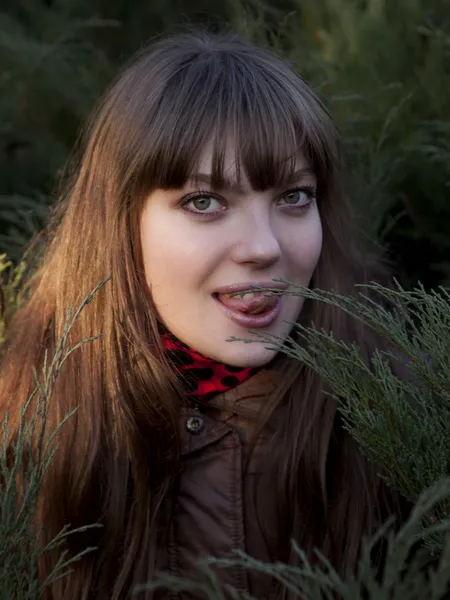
[{"x": 251, "y": 310}]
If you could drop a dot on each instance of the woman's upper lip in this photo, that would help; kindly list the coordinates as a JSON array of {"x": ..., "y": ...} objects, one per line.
[{"x": 248, "y": 286}]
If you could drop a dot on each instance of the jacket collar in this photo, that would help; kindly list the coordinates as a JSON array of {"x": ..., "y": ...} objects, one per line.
[{"x": 244, "y": 400}]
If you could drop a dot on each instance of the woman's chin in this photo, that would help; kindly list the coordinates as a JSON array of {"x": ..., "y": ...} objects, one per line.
[{"x": 246, "y": 357}]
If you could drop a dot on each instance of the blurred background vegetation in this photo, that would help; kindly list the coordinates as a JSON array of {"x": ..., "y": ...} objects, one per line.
[{"x": 381, "y": 66}]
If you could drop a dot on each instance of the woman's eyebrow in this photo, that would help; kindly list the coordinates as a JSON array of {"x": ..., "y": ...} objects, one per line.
[{"x": 233, "y": 186}]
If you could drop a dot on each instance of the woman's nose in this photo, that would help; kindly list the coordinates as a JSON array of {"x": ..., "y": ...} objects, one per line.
[{"x": 257, "y": 241}]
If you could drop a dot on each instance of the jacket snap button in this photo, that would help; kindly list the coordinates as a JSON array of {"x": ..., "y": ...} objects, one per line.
[{"x": 194, "y": 424}]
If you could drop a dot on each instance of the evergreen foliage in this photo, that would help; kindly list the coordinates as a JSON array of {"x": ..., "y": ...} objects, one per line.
[
  {"x": 401, "y": 424},
  {"x": 21, "y": 475},
  {"x": 51, "y": 76}
]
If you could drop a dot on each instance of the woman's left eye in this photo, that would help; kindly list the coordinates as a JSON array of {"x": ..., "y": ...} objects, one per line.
[{"x": 299, "y": 197}]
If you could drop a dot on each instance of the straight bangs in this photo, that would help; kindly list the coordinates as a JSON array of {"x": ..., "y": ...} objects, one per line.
[{"x": 223, "y": 100}]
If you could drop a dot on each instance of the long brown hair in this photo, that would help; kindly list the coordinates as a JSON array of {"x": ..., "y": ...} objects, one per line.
[{"x": 118, "y": 456}]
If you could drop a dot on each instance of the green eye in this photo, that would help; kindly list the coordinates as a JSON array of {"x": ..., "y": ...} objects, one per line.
[
  {"x": 201, "y": 203},
  {"x": 292, "y": 198},
  {"x": 301, "y": 197}
]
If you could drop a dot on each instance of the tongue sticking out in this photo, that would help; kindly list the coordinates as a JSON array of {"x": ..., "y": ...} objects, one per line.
[{"x": 256, "y": 305}]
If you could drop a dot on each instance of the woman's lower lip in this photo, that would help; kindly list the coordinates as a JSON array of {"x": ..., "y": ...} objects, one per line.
[{"x": 252, "y": 321}]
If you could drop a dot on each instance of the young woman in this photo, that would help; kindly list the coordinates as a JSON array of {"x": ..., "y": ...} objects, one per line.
[{"x": 209, "y": 167}]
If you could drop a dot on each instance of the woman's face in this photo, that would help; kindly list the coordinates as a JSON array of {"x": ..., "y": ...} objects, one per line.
[{"x": 195, "y": 242}]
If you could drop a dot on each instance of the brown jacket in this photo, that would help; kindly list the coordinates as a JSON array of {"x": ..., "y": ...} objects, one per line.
[{"x": 215, "y": 510}]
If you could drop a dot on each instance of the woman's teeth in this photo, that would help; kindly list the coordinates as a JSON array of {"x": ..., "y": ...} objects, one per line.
[{"x": 243, "y": 295}]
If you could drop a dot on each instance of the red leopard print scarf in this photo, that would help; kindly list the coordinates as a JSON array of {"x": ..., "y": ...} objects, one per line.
[{"x": 203, "y": 377}]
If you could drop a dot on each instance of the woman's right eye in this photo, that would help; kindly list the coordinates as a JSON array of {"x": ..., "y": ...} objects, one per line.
[{"x": 202, "y": 204}]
